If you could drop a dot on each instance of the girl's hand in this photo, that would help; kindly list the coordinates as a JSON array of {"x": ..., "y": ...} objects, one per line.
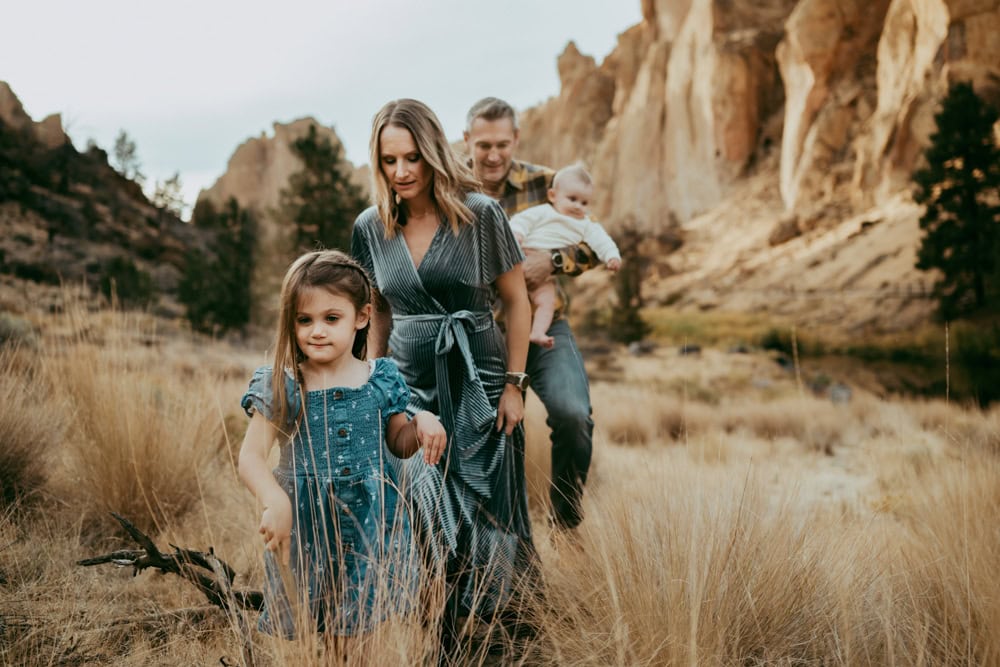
[
  {"x": 276, "y": 526},
  {"x": 510, "y": 412},
  {"x": 430, "y": 435}
]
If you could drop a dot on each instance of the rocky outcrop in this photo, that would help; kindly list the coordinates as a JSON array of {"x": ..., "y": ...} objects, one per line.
[
  {"x": 924, "y": 47},
  {"x": 825, "y": 106},
  {"x": 49, "y": 132},
  {"x": 827, "y": 63},
  {"x": 677, "y": 109}
]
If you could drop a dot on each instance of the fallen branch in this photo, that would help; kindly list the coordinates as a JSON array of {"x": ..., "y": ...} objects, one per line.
[{"x": 210, "y": 574}]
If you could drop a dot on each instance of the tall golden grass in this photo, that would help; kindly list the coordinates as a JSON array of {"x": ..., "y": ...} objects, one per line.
[
  {"x": 735, "y": 523},
  {"x": 32, "y": 424},
  {"x": 141, "y": 440}
]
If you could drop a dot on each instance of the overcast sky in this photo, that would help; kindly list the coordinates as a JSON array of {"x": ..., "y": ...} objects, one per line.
[{"x": 190, "y": 81}]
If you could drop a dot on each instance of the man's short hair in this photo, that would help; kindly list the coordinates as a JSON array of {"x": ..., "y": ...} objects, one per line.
[
  {"x": 574, "y": 172},
  {"x": 490, "y": 108}
]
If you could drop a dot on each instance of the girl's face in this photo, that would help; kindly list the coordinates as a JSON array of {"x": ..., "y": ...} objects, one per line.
[
  {"x": 325, "y": 325},
  {"x": 402, "y": 164}
]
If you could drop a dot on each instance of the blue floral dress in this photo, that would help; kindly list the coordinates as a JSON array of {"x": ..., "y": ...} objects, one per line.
[{"x": 352, "y": 556}]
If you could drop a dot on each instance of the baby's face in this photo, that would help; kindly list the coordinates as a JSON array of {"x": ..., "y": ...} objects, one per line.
[{"x": 572, "y": 198}]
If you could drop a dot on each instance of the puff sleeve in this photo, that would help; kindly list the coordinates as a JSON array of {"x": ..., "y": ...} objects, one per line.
[
  {"x": 391, "y": 386},
  {"x": 259, "y": 397}
]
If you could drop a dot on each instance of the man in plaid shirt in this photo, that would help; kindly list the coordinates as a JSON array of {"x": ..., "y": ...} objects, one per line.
[{"x": 557, "y": 374}]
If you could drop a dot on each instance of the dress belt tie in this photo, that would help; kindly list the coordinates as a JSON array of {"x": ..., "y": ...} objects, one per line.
[{"x": 452, "y": 333}]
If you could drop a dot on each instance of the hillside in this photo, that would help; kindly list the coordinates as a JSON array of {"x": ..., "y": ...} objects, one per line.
[{"x": 67, "y": 216}]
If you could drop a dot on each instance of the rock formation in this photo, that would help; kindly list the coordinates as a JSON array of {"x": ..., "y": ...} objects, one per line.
[
  {"x": 817, "y": 109},
  {"x": 49, "y": 132}
]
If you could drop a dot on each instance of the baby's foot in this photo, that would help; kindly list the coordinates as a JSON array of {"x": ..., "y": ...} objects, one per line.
[{"x": 542, "y": 340}]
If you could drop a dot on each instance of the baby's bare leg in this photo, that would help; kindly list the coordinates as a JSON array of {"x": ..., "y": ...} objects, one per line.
[{"x": 544, "y": 301}]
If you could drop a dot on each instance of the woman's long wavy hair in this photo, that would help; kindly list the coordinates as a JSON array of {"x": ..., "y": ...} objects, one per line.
[
  {"x": 452, "y": 178},
  {"x": 331, "y": 270}
]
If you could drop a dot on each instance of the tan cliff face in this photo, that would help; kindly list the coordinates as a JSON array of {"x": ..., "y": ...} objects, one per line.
[{"x": 771, "y": 130}]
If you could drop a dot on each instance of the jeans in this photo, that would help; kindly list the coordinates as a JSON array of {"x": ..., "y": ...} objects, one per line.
[{"x": 560, "y": 381}]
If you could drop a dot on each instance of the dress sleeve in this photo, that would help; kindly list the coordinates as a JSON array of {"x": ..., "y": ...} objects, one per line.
[
  {"x": 361, "y": 248},
  {"x": 259, "y": 397},
  {"x": 390, "y": 384},
  {"x": 498, "y": 249}
]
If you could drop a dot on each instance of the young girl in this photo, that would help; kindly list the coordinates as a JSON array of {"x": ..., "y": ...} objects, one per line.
[{"x": 332, "y": 508}]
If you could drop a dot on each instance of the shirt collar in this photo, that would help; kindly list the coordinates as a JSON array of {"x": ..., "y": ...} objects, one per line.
[{"x": 515, "y": 177}]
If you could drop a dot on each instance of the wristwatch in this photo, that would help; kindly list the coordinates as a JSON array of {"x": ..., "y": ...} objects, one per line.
[
  {"x": 519, "y": 380},
  {"x": 557, "y": 261}
]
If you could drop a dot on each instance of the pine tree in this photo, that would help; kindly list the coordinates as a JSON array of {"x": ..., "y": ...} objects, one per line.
[
  {"x": 320, "y": 200},
  {"x": 960, "y": 188}
]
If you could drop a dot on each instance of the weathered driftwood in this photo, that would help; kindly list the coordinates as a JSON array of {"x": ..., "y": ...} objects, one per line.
[{"x": 209, "y": 573}]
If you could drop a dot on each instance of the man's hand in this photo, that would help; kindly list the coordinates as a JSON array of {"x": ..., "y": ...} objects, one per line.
[
  {"x": 537, "y": 267},
  {"x": 614, "y": 264}
]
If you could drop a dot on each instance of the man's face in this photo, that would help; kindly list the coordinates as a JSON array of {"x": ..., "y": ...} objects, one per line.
[{"x": 491, "y": 144}]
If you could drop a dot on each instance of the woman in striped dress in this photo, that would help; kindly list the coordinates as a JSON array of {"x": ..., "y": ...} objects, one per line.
[{"x": 440, "y": 254}]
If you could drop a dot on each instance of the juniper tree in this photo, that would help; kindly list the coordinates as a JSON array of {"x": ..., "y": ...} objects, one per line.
[
  {"x": 320, "y": 200},
  {"x": 960, "y": 188},
  {"x": 215, "y": 286}
]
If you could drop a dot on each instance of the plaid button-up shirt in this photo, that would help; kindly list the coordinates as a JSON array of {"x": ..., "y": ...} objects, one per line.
[{"x": 527, "y": 185}]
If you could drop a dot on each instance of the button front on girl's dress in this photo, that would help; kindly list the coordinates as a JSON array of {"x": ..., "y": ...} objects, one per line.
[
  {"x": 338, "y": 394},
  {"x": 342, "y": 432},
  {"x": 345, "y": 471}
]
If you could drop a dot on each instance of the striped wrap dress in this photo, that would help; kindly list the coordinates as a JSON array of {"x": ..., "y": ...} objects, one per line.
[{"x": 470, "y": 511}]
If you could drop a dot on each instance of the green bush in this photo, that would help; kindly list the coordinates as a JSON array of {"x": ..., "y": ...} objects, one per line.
[{"x": 121, "y": 279}]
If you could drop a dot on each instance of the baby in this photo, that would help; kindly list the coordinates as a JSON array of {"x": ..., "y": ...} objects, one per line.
[{"x": 562, "y": 222}]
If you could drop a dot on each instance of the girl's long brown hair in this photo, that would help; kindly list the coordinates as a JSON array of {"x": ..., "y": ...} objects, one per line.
[
  {"x": 332, "y": 270},
  {"x": 452, "y": 179}
]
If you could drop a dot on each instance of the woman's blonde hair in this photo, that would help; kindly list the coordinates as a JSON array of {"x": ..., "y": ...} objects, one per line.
[
  {"x": 451, "y": 180},
  {"x": 331, "y": 270}
]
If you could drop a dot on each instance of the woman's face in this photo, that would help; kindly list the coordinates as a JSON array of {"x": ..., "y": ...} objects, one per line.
[{"x": 403, "y": 166}]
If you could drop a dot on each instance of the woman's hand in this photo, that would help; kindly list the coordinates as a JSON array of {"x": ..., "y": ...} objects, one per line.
[
  {"x": 430, "y": 435},
  {"x": 276, "y": 526},
  {"x": 510, "y": 412}
]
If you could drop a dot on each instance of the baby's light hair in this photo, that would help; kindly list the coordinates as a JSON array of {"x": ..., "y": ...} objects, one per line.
[
  {"x": 574, "y": 172},
  {"x": 331, "y": 270}
]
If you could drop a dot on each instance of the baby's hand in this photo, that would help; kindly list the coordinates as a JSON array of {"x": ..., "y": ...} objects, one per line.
[
  {"x": 276, "y": 526},
  {"x": 431, "y": 436},
  {"x": 614, "y": 264}
]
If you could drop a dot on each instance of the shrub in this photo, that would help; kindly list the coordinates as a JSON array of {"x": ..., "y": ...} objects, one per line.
[
  {"x": 30, "y": 424},
  {"x": 121, "y": 279}
]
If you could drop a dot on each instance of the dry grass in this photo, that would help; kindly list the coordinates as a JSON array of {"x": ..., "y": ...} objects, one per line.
[
  {"x": 31, "y": 425},
  {"x": 730, "y": 520},
  {"x": 142, "y": 441}
]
